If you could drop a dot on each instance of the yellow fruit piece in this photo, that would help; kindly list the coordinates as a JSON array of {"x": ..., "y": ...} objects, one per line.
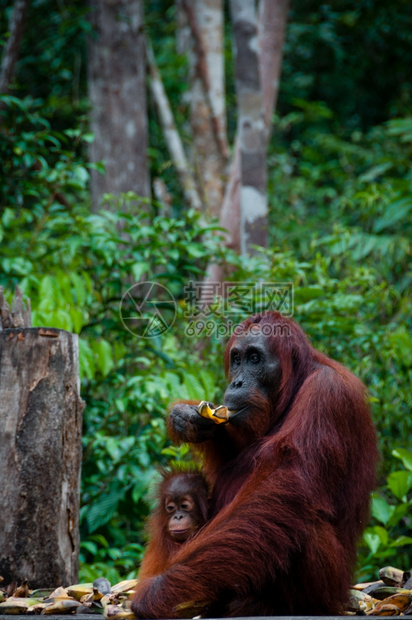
[
  {"x": 79, "y": 590},
  {"x": 402, "y": 601},
  {"x": 218, "y": 415}
]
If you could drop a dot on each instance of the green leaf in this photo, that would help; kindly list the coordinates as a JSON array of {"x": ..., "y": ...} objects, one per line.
[
  {"x": 405, "y": 456},
  {"x": 104, "y": 356},
  {"x": 77, "y": 319},
  {"x": 173, "y": 383},
  {"x": 193, "y": 386},
  {"x": 86, "y": 360},
  {"x": 373, "y": 541},
  {"x": 400, "y": 512},
  {"x": 49, "y": 290},
  {"x": 374, "y": 172},
  {"x": 99, "y": 538},
  {"x": 209, "y": 383},
  {"x": 382, "y": 533},
  {"x": 306, "y": 293},
  {"x": 401, "y": 541},
  {"x": 102, "y": 510},
  {"x": 394, "y": 213},
  {"x": 399, "y": 483},
  {"x": 79, "y": 287},
  {"x": 142, "y": 483},
  {"x": 138, "y": 269},
  {"x": 381, "y": 510},
  {"x": 90, "y": 546},
  {"x": 402, "y": 344},
  {"x": 61, "y": 319}
]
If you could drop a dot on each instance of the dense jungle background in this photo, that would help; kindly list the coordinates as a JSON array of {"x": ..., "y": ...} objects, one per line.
[{"x": 339, "y": 190}]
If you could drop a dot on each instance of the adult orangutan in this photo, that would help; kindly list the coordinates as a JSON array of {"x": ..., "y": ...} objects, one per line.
[
  {"x": 292, "y": 471},
  {"x": 182, "y": 508}
]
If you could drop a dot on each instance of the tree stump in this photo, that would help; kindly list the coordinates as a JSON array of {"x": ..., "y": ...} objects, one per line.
[{"x": 40, "y": 456}]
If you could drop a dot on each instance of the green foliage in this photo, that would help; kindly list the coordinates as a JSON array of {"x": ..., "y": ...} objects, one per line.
[
  {"x": 114, "y": 563},
  {"x": 386, "y": 540},
  {"x": 352, "y": 56},
  {"x": 75, "y": 267},
  {"x": 41, "y": 168}
]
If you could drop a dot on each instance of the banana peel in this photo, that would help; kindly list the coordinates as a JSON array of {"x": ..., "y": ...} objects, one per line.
[
  {"x": 61, "y": 606},
  {"x": 36, "y": 609},
  {"x": 218, "y": 416},
  {"x": 85, "y": 596},
  {"x": 392, "y": 576},
  {"x": 402, "y": 601},
  {"x": 126, "y": 586},
  {"x": 14, "y": 606},
  {"x": 384, "y": 592},
  {"x": 191, "y": 609},
  {"x": 22, "y": 591},
  {"x": 367, "y": 584},
  {"x": 358, "y": 601},
  {"x": 384, "y": 609},
  {"x": 79, "y": 590},
  {"x": 93, "y": 597},
  {"x": 59, "y": 593},
  {"x": 102, "y": 585},
  {"x": 115, "y": 612},
  {"x": 41, "y": 593}
]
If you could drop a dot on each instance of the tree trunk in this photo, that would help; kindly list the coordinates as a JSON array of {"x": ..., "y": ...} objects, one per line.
[
  {"x": 229, "y": 219},
  {"x": 272, "y": 29},
  {"x": 12, "y": 48},
  {"x": 117, "y": 90},
  {"x": 207, "y": 100},
  {"x": 251, "y": 129},
  {"x": 40, "y": 456},
  {"x": 171, "y": 134}
]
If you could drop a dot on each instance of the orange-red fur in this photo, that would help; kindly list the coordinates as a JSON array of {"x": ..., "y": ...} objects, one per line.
[
  {"x": 161, "y": 547},
  {"x": 287, "y": 508}
]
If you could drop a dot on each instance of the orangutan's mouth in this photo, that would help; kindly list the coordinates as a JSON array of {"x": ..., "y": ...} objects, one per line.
[{"x": 235, "y": 412}]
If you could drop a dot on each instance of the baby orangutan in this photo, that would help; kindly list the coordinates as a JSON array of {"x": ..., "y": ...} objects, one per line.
[{"x": 182, "y": 510}]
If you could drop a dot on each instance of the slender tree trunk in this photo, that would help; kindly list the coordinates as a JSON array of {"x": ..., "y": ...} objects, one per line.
[
  {"x": 12, "y": 48},
  {"x": 171, "y": 134},
  {"x": 251, "y": 129},
  {"x": 272, "y": 29},
  {"x": 207, "y": 98},
  {"x": 229, "y": 219},
  {"x": 117, "y": 71},
  {"x": 40, "y": 455},
  {"x": 273, "y": 17}
]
